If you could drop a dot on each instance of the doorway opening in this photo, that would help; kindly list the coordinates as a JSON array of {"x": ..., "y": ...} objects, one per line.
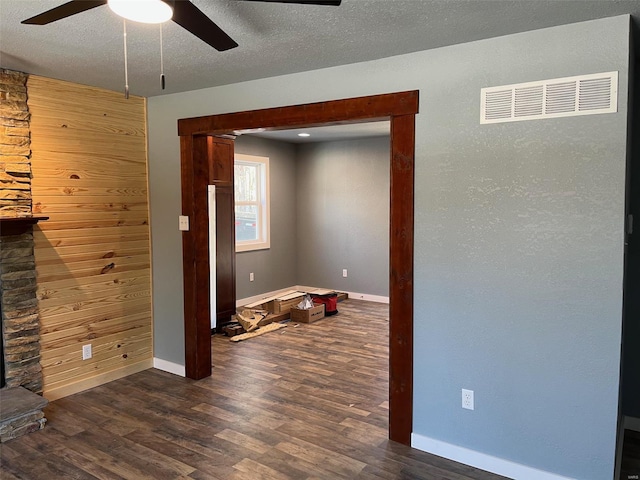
[{"x": 400, "y": 109}]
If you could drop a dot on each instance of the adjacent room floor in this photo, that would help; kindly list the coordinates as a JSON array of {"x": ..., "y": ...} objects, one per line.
[{"x": 305, "y": 402}]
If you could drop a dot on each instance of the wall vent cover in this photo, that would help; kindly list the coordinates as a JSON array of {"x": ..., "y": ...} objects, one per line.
[{"x": 559, "y": 97}]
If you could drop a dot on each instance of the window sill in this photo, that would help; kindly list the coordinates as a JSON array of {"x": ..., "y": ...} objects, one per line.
[{"x": 250, "y": 247}]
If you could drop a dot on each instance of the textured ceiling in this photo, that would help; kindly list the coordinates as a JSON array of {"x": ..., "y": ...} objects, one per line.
[{"x": 274, "y": 39}]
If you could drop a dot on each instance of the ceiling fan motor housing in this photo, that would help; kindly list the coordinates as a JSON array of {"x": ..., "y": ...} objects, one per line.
[{"x": 144, "y": 11}]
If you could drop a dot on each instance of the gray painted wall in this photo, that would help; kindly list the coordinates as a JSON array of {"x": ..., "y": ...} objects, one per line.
[
  {"x": 343, "y": 215},
  {"x": 329, "y": 211},
  {"x": 518, "y": 240},
  {"x": 273, "y": 268}
]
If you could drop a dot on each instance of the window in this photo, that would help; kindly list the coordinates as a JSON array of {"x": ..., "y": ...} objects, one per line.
[{"x": 251, "y": 190}]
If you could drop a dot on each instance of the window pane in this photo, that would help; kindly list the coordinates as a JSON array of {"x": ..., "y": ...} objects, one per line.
[
  {"x": 246, "y": 183},
  {"x": 246, "y": 223},
  {"x": 251, "y": 193}
]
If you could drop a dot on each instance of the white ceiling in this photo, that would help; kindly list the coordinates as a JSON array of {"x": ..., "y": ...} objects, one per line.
[
  {"x": 274, "y": 39},
  {"x": 329, "y": 133}
]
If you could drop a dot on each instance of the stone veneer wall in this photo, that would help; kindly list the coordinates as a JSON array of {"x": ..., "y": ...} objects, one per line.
[
  {"x": 20, "y": 322},
  {"x": 15, "y": 145},
  {"x": 18, "y": 301}
]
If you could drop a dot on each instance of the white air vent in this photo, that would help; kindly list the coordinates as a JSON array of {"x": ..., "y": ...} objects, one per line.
[{"x": 559, "y": 97}]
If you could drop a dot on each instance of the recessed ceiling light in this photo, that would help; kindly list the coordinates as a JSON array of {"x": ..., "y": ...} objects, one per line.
[{"x": 304, "y": 134}]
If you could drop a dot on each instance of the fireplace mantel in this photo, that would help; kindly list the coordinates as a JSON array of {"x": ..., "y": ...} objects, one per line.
[{"x": 18, "y": 225}]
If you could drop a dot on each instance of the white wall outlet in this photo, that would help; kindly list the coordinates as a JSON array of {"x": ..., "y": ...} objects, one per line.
[
  {"x": 467, "y": 399},
  {"x": 251, "y": 277},
  {"x": 86, "y": 352},
  {"x": 183, "y": 223},
  {"x": 344, "y": 272}
]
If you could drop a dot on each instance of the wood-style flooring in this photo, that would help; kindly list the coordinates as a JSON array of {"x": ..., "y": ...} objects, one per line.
[{"x": 305, "y": 402}]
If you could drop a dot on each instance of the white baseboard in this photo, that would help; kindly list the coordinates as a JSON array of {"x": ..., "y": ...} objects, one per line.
[
  {"x": 304, "y": 288},
  {"x": 483, "y": 461},
  {"x": 356, "y": 296},
  {"x": 169, "y": 367},
  {"x": 368, "y": 298}
]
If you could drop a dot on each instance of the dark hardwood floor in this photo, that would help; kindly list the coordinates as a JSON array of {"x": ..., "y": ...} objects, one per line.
[{"x": 305, "y": 402}]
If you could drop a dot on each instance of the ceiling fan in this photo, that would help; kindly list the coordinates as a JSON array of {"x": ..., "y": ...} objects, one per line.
[{"x": 183, "y": 12}]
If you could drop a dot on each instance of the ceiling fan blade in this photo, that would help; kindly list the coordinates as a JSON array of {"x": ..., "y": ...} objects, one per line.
[
  {"x": 63, "y": 11},
  {"x": 330, "y": 3},
  {"x": 191, "y": 18}
]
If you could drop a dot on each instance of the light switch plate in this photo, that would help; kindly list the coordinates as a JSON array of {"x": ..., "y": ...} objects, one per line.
[{"x": 183, "y": 223}]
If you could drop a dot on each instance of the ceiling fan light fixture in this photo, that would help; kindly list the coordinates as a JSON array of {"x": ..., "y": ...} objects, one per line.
[{"x": 144, "y": 11}]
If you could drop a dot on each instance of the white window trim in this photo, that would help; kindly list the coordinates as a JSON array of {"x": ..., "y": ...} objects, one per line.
[{"x": 264, "y": 208}]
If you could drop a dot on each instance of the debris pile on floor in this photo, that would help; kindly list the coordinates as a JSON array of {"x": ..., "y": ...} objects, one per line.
[
  {"x": 252, "y": 319},
  {"x": 272, "y": 313},
  {"x": 249, "y": 323}
]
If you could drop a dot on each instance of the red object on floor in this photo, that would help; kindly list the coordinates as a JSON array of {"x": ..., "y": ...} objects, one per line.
[{"x": 330, "y": 301}]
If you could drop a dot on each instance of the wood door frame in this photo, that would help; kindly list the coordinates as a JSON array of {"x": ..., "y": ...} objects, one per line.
[{"x": 400, "y": 108}]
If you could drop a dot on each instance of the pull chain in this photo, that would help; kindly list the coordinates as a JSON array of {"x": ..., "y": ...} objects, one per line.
[
  {"x": 126, "y": 69},
  {"x": 161, "y": 61}
]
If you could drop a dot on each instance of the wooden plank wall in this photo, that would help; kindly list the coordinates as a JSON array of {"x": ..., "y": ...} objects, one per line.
[{"x": 89, "y": 164}]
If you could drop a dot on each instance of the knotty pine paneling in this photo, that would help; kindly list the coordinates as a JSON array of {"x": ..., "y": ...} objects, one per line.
[{"x": 89, "y": 166}]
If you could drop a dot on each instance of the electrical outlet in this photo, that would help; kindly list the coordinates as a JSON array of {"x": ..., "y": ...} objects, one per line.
[
  {"x": 344, "y": 272},
  {"x": 251, "y": 277},
  {"x": 183, "y": 223},
  {"x": 467, "y": 399},
  {"x": 86, "y": 352}
]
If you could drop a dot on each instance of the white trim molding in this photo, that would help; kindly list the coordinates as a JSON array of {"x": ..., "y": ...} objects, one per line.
[
  {"x": 353, "y": 295},
  {"x": 480, "y": 460},
  {"x": 368, "y": 298},
  {"x": 305, "y": 288},
  {"x": 169, "y": 367}
]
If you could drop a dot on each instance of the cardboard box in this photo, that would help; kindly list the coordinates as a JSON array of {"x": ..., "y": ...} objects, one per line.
[
  {"x": 279, "y": 306},
  {"x": 307, "y": 316}
]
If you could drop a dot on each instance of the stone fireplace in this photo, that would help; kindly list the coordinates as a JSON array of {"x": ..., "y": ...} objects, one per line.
[{"x": 21, "y": 402}]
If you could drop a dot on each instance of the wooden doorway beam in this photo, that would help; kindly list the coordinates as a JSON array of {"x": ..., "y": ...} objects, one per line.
[
  {"x": 400, "y": 109},
  {"x": 334, "y": 112}
]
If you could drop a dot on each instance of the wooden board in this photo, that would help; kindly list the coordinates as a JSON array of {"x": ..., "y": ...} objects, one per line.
[
  {"x": 268, "y": 299},
  {"x": 261, "y": 331},
  {"x": 89, "y": 168},
  {"x": 290, "y": 296},
  {"x": 321, "y": 291}
]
